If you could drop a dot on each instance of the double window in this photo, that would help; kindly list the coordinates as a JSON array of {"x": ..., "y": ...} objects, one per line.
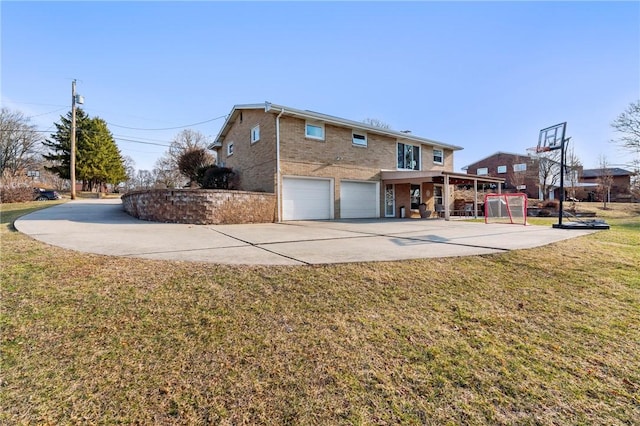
[
  {"x": 522, "y": 167},
  {"x": 408, "y": 156},
  {"x": 314, "y": 131},
  {"x": 482, "y": 171}
]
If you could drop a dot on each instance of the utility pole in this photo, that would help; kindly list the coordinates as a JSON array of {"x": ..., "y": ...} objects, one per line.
[
  {"x": 73, "y": 140},
  {"x": 72, "y": 163}
]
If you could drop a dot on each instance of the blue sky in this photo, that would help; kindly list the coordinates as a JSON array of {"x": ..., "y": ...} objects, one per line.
[{"x": 486, "y": 76}]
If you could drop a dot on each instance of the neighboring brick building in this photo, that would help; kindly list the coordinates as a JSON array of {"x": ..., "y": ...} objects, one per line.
[
  {"x": 520, "y": 171},
  {"x": 620, "y": 190},
  {"x": 325, "y": 167}
]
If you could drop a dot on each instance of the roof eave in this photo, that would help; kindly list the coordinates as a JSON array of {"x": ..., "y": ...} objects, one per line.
[{"x": 306, "y": 114}]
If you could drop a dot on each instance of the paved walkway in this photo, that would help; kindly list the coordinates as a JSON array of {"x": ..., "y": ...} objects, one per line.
[{"x": 102, "y": 227}]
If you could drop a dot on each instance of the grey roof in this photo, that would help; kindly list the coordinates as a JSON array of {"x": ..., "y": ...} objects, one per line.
[
  {"x": 614, "y": 171},
  {"x": 277, "y": 109}
]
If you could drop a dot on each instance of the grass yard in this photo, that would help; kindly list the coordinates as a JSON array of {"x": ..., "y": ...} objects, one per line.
[{"x": 544, "y": 336}]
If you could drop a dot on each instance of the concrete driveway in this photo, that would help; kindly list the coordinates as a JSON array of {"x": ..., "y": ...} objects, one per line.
[{"x": 102, "y": 227}]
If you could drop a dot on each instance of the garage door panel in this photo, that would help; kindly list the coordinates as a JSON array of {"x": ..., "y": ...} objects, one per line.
[
  {"x": 359, "y": 200},
  {"x": 306, "y": 199}
]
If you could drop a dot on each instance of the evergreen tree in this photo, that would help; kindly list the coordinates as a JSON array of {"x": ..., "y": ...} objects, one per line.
[
  {"x": 60, "y": 146},
  {"x": 98, "y": 159}
]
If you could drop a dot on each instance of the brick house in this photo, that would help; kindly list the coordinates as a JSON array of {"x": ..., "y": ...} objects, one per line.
[
  {"x": 620, "y": 190},
  {"x": 325, "y": 167},
  {"x": 519, "y": 171}
]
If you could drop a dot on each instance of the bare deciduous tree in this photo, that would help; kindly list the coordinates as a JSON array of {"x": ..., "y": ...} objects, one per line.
[
  {"x": 605, "y": 181},
  {"x": 548, "y": 171},
  {"x": 166, "y": 169},
  {"x": 19, "y": 143},
  {"x": 572, "y": 174},
  {"x": 190, "y": 162},
  {"x": 376, "y": 123},
  {"x": 186, "y": 140},
  {"x": 167, "y": 174},
  {"x": 627, "y": 125}
]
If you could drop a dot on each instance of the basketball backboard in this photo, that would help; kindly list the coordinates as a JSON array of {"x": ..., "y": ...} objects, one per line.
[{"x": 551, "y": 138}]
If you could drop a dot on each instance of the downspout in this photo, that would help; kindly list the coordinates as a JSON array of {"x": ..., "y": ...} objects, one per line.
[{"x": 278, "y": 179}]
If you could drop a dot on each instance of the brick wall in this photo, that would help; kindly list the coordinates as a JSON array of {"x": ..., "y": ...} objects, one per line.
[
  {"x": 200, "y": 206},
  {"x": 529, "y": 178},
  {"x": 254, "y": 163}
]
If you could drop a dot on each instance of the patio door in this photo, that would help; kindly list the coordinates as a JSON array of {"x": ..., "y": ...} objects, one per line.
[
  {"x": 389, "y": 200},
  {"x": 416, "y": 198},
  {"x": 438, "y": 199}
]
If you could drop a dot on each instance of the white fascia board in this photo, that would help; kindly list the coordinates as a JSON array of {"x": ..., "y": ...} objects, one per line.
[
  {"x": 217, "y": 142},
  {"x": 311, "y": 115}
]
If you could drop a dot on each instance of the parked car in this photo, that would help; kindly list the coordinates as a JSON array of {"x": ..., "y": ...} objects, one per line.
[{"x": 41, "y": 194}]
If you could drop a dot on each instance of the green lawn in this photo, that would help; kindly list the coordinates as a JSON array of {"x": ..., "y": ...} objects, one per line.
[{"x": 544, "y": 336}]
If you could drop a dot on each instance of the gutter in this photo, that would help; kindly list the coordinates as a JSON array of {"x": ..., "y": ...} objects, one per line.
[{"x": 278, "y": 178}]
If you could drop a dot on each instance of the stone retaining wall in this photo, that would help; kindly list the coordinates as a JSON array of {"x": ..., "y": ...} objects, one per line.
[{"x": 200, "y": 206}]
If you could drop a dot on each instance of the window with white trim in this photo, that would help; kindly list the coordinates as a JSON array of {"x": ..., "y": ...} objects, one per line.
[
  {"x": 408, "y": 156},
  {"x": 502, "y": 169},
  {"x": 229, "y": 149},
  {"x": 482, "y": 171},
  {"x": 255, "y": 134},
  {"x": 522, "y": 167},
  {"x": 438, "y": 156},
  {"x": 359, "y": 139},
  {"x": 314, "y": 131}
]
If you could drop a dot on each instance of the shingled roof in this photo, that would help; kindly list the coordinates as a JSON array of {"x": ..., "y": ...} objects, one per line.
[{"x": 596, "y": 173}]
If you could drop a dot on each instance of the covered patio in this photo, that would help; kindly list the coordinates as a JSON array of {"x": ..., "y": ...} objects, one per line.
[{"x": 405, "y": 191}]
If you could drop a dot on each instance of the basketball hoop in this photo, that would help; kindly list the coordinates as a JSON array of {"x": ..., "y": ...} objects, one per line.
[{"x": 551, "y": 138}]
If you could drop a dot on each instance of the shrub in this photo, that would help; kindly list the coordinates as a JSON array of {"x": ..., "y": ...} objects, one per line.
[
  {"x": 192, "y": 161},
  {"x": 215, "y": 177},
  {"x": 15, "y": 189},
  {"x": 550, "y": 204}
]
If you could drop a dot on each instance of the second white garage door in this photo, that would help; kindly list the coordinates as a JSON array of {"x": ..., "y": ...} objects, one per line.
[
  {"x": 359, "y": 200},
  {"x": 304, "y": 199}
]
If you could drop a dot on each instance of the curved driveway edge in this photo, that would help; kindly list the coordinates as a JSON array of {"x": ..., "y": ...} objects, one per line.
[{"x": 102, "y": 227}]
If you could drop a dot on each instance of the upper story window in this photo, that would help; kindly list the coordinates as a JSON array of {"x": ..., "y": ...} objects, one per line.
[
  {"x": 255, "y": 134},
  {"x": 522, "y": 167},
  {"x": 482, "y": 171},
  {"x": 314, "y": 130},
  {"x": 438, "y": 156},
  {"x": 359, "y": 139},
  {"x": 502, "y": 169},
  {"x": 229, "y": 149},
  {"x": 408, "y": 156}
]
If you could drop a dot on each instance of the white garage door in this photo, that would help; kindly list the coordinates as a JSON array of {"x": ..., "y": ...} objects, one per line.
[
  {"x": 359, "y": 200},
  {"x": 304, "y": 199}
]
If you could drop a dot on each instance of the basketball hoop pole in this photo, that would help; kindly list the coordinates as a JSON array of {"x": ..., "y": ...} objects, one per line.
[{"x": 562, "y": 160}]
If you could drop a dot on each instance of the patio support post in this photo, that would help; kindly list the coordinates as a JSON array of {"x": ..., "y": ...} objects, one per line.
[
  {"x": 446, "y": 197},
  {"x": 475, "y": 198}
]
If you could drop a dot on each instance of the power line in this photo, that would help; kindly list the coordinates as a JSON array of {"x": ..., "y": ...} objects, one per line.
[
  {"x": 141, "y": 142},
  {"x": 169, "y": 128},
  {"x": 46, "y": 113},
  {"x": 121, "y": 126}
]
